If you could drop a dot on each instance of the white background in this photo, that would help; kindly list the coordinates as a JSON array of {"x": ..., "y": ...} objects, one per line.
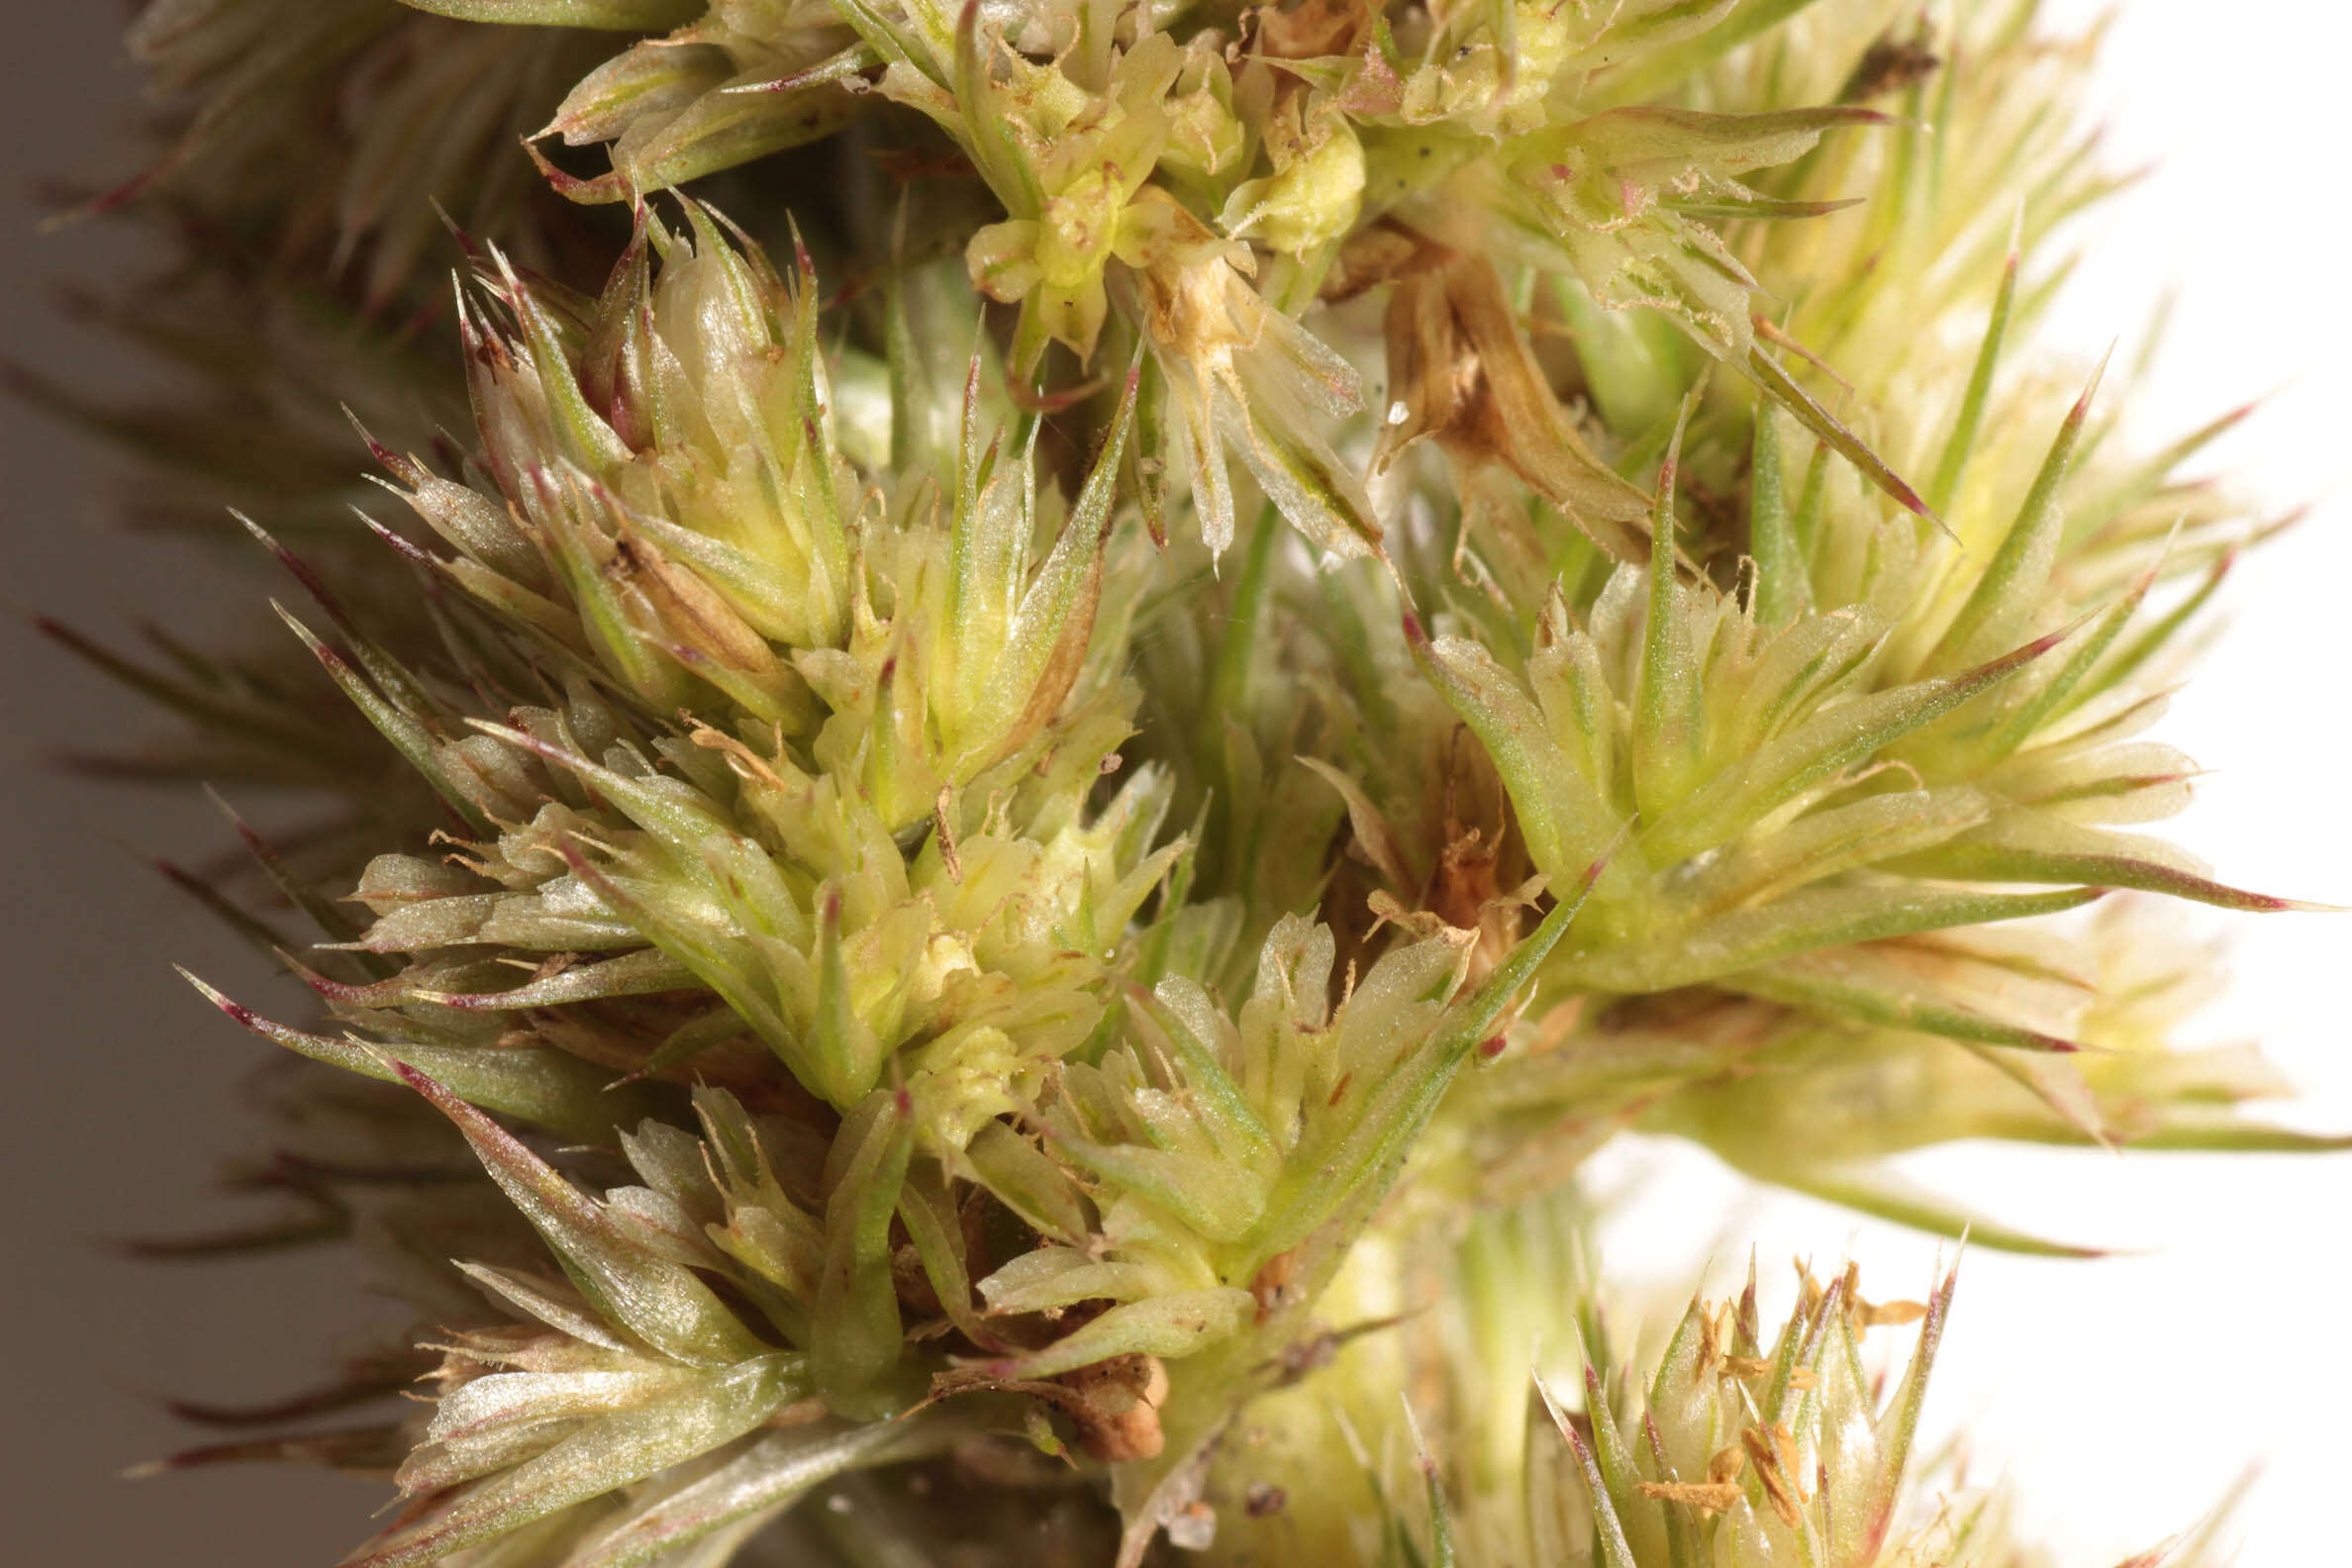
[{"x": 2124, "y": 1395}]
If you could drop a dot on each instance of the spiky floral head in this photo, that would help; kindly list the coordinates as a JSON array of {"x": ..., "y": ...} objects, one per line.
[
  {"x": 1732, "y": 1445},
  {"x": 1297, "y": 644}
]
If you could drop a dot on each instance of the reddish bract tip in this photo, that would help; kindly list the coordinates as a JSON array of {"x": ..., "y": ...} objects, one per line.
[
  {"x": 312, "y": 582},
  {"x": 782, "y": 84},
  {"x": 1909, "y": 499},
  {"x": 459, "y": 233},
  {"x": 584, "y": 191},
  {"x": 331, "y": 989},
  {"x": 2266, "y": 904},
  {"x": 2043, "y": 644},
  {"x": 406, "y": 546},
  {"x": 2081, "y": 405},
  {"x": 120, "y": 196}
]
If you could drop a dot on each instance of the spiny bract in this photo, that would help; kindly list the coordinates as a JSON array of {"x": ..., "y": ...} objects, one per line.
[{"x": 1059, "y": 774}]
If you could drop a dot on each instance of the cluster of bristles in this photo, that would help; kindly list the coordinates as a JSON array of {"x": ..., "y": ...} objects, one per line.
[{"x": 1029, "y": 880}]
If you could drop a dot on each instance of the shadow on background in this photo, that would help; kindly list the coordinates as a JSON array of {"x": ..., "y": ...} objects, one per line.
[{"x": 125, "y": 1090}]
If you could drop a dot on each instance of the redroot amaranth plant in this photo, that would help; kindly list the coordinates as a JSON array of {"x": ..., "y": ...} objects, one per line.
[{"x": 1133, "y": 671}]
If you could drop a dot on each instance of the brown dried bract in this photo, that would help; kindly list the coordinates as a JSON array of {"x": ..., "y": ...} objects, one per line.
[
  {"x": 1272, "y": 1287},
  {"x": 1115, "y": 1406},
  {"x": 1313, "y": 28},
  {"x": 1889, "y": 67},
  {"x": 1882, "y": 1315},
  {"x": 1780, "y": 1489},
  {"x": 1114, "y": 1403},
  {"x": 1712, "y": 1496},
  {"x": 1461, "y": 370}
]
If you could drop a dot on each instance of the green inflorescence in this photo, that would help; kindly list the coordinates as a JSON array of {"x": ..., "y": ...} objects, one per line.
[{"x": 1000, "y": 815}]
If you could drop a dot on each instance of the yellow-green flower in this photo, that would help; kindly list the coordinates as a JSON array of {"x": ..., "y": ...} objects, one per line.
[{"x": 936, "y": 948}]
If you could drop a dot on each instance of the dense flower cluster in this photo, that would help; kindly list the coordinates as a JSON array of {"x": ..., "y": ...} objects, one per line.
[{"x": 1059, "y": 774}]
